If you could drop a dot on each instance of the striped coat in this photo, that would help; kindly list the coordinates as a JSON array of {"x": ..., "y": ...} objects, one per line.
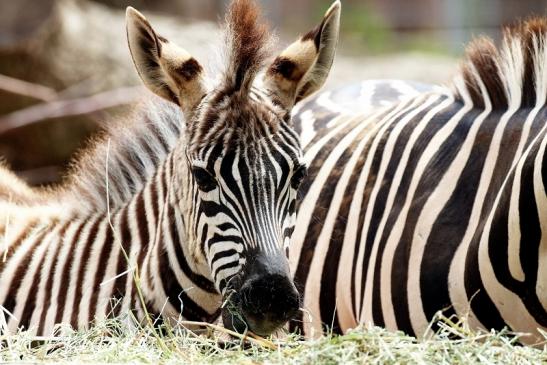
[{"x": 422, "y": 199}]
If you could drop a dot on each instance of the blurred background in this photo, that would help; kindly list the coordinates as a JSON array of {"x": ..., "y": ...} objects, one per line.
[{"x": 65, "y": 67}]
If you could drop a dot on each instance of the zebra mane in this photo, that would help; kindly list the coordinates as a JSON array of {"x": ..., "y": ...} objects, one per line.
[
  {"x": 126, "y": 154},
  {"x": 248, "y": 45},
  {"x": 513, "y": 76}
]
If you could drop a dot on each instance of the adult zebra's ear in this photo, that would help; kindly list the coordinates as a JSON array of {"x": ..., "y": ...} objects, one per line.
[
  {"x": 166, "y": 69},
  {"x": 302, "y": 68}
]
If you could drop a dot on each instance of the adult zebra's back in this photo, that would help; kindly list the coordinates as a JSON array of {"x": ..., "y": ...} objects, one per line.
[{"x": 434, "y": 202}]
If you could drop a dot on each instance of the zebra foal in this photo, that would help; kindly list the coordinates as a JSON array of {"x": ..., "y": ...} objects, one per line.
[{"x": 196, "y": 192}]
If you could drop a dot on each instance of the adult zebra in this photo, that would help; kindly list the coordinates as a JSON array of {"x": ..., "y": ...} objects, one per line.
[
  {"x": 194, "y": 208},
  {"x": 434, "y": 202}
]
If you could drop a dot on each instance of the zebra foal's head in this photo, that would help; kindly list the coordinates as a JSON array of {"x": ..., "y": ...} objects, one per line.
[{"x": 243, "y": 157}]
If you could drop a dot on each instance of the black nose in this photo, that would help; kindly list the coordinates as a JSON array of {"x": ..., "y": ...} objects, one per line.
[{"x": 268, "y": 301}]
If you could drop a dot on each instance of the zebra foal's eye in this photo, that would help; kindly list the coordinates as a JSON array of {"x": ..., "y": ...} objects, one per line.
[
  {"x": 206, "y": 182},
  {"x": 298, "y": 176}
]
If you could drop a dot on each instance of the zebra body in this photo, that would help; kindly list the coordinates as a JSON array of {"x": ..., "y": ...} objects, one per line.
[{"x": 427, "y": 199}]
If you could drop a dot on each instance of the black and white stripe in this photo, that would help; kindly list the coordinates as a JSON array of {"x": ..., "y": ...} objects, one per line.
[{"x": 424, "y": 201}]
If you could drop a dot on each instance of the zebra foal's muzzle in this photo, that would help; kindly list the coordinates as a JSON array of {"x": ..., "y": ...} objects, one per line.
[{"x": 262, "y": 299}]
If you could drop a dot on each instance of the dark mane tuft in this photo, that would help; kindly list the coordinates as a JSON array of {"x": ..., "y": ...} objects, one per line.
[
  {"x": 248, "y": 40},
  {"x": 482, "y": 56},
  {"x": 514, "y": 74}
]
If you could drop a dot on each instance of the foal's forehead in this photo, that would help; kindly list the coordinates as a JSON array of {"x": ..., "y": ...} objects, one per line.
[
  {"x": 243, "y": 124},
  {"x": 235, "y": 146},
  {"x": 237, "y": 143}
]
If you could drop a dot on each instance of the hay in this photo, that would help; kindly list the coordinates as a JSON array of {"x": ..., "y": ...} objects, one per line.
[{"x": 124, "y": 341}]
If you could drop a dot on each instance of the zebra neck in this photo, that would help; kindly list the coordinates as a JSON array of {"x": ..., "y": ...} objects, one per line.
[{"x": 174, "y": 281}]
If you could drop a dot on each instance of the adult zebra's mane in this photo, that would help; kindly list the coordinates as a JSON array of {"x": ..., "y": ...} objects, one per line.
[
  {"x": 126, "y": 155},
  {"x": 513, "y": 76}
]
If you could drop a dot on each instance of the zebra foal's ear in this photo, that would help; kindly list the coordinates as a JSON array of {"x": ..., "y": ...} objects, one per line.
[
  {"x": 166, "y": 69},
  {"x": 302, "y": 68}
]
